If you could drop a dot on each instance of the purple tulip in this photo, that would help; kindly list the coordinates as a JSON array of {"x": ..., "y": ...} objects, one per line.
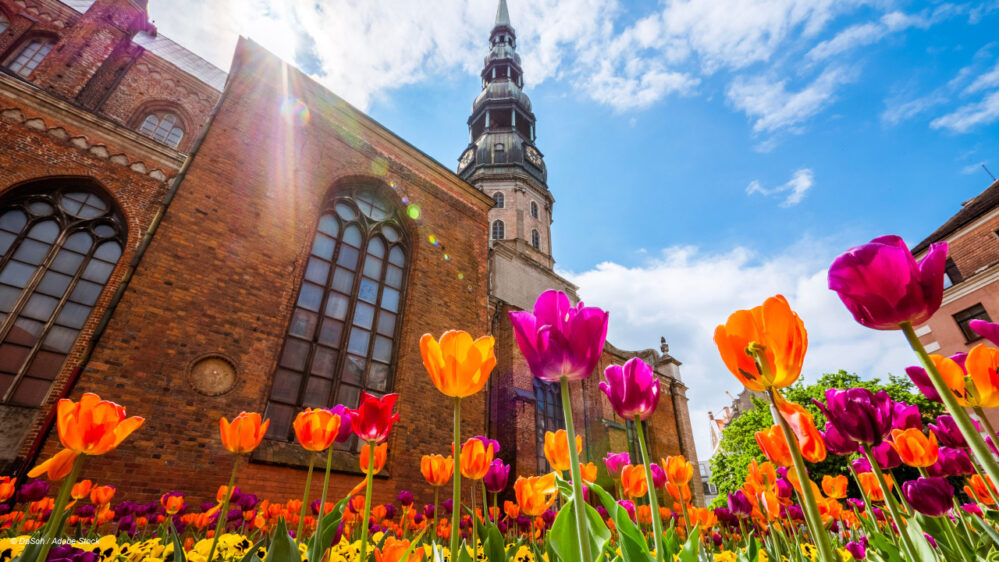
[
  {"x": 987, "y": 330},
  {"x": 633, "y": 390},
  {"x": 856, "y": 503},
  {"x": 658, "y": 476},
  {"x": 836, "y": 442},
  {"x": 628, "y": 506},
  {"x": 428, "y": 511},
  {"x": 973, "y": 509},
  {"x": 858, "y": 413},
  {"x": 856, "y": 550},
  {"x": 496, "y": 479},
  {"x": 886, "y": 455},
  {"x": 559, "y": 340},
  {"x": 739, "y": 505},
  {"x": 930, "y": 539},
  {"x": 906, "y": 416},
  {"x": 921, "y": 379},
  {"x": 716, "y": 539},
  {"x": 486, "y": 442},
  {"x": 548, "y": 517},
  {"x": 861, "y": 465},
  {"x": 405, "y": 498},
  {"x": 345, "y": 430},
  {"x": 785, "y": 490},
  {"x": 615, "y": 463},
  {"x": 389, "y": 511},
  {"x": 795, "y": 513},
  {"x": 947, "y": 432},
  {"x": 446, "y": 506},
  {"x": 883, "y": 286},
  {"x": 602, "y": 511},
  {"x": 931, "y": 496},
  {"x": 33, "y": 491},
  {"x": 951, "y": 462}
]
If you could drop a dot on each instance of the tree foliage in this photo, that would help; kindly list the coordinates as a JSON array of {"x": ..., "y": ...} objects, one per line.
[{"x": 738, "y": 445}]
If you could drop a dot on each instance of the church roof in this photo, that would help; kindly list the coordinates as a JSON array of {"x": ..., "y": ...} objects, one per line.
[
  {"x": 502, "y": 14},
  {"x": 971, "y": 210}
]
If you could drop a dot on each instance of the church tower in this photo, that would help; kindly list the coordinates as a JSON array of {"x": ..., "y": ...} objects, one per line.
[{"x": 502, "y": 159}]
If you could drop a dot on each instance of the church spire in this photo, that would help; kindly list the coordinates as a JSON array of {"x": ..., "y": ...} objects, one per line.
[{"x": 502, "y": 15}]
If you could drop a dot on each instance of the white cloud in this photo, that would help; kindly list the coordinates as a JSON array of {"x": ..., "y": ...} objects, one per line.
[
  {"x": 973, "y": 168},
  {"x": 971, "y": 115},
  {"x": 799, "y": 184},
  {"x": 683, "y": 294},
  {"x": 773, "y": 107}
]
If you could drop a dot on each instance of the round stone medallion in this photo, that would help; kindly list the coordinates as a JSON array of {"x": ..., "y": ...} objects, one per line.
[{"x": 212, "y": 375}]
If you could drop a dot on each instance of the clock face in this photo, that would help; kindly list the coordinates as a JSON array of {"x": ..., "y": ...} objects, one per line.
[
  {"x": 466, "y": 159},
  {"x": 534, "y": 156}
]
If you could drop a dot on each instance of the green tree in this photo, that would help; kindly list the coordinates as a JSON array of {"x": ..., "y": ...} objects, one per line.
[{"x": 738, "y": 446}]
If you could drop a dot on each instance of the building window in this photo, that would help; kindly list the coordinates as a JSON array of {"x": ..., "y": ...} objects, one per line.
[
  {"x": 967, "y": 315},
  {"x": 4, "y": 22},
  {"x": 498, "y": 230},
  {"x": 535, "y": 240},
  {"x": 952, "y": 275},
  {"x": 31, "y": 56},
  {"x": 534, "y": 209},
  {"x": 499, "y": 199},
  {"x": 59, "y": 244},
  {"x": 548, "y": 416},
  {"x": 163, "y": 126},
  {"x": 346, "y": 320}
]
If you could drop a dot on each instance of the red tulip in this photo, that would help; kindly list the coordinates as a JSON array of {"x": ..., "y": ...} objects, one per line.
[{"x": 373, "y": 418}]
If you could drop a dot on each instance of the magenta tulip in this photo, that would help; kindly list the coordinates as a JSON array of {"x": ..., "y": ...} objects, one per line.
[
  {"x": 345, "y": 428},
  {"x": 836, "y": 442},
  {"x": 906, "y": 416},
  {"x": 496, "y": 479},
  {"x": 858, "y": 413},
  {"x": 947, "y": 432},
  {"x": 560, "y": 340},
  {"x": 883, "y": 285},
  {"x": 658, "y": 476},
  {"x": 931, "y": 496},
  {"x": 886, "y": 455},
  {"x": 633, "y": 390},
  {"x": 988, "y": 330},
  {"x": 615, "y": 463},
  {"x": 921, "y": 379},
  {"x": 951, "y": 462}
]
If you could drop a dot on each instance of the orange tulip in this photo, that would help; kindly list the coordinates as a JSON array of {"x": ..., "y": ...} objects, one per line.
[
  {"x": 870, "y": 484},
  {"x": 458, "y": 365},
  {"x": 982, "y": 389},
  {"x": 81, "y": 489},
  {"x": 761, "y": 477},
  {"x": 915, "y": 448},
  {"x": 770, "y": 505},
  {"x": 316, "y": 429},
  {"x": 475, "y": 459},
  {"x": 172, "y": 504},
  {"x": 679, "y": 493},
  {"x": 678, "y": 470},
  {"x": 773, "y": 445},
  {"x": 810, "y": 442},
  {"x": 244, "y": 433},
  {"x": 778, "y": 335},
  {"x": 557, "y": 449},
  {"x": 93, "y": 426},
  {"x": 393, "y": 550},
  {"x": 633, "y": 481},
  {"x": 977, "y": 489},
  {"x": 535, "y": 494},
  {"x": 829, "y": 509},
  {"x": 57, "y": 467},
  {"x": 511, "y": 509},
  {"x": 7, "y": 487},
  {"x": 835, "y": 486},
  {"x": 381, "y": 453},
  {"x": 101, "y": 495},
  {"x": 702, "y": 516},
  {"x": 588, "y": 472},
  {"x": 436, "y": 469}
]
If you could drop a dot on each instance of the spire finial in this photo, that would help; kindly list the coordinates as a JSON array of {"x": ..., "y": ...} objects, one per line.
[{"x": 502, "y": 14}]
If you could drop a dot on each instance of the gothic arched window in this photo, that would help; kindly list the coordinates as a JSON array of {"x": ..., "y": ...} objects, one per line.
[
  {"x": 498, "y": 230},
  {"x": 548, "y": 416},
  {"x": 346, "y": 320},
  {"x": 534, "y": 209},
  {"x": 498, "y": 198},
  {"x": 31, "y": 55},
  {"x": 164, "y": 127},
  {"x": 59, "y": 244},
  {"x": 535, "y": 239}
]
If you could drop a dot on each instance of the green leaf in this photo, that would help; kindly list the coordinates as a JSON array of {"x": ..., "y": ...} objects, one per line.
[
  {"x": 631, "y": 539},
  {"x": 283, "y": 548},
  {"x": 689, "y": 552},
  {"x": 495, "y": 546},
  {"x": 923, "y": 549},
  {"x": 178, "y": 548},
  {"x": 463, "y": 555},
  {"x": 885, "y": 547},
  {"x": 752, "y": 552},
  {"x": 326, "y": 528},
  {"x": 564, "y": 537}
]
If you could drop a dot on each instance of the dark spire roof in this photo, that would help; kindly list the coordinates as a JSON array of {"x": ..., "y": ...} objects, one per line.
[
  {"x": 502, "y": 14},
  {"x": 972, "y": 209}
]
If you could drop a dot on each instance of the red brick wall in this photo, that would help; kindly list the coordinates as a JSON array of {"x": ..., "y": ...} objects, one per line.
[
  {"x": 223, "y": 271},
  {"x": 977, "y": 248}
]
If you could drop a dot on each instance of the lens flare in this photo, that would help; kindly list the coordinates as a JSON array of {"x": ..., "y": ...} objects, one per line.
[
  {"x": 413, "y": 211},
  {"x": 379, "y": 166},
  {"x": 294, "y": 110}
]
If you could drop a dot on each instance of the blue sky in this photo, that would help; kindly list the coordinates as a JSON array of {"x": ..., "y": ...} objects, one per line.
[{"x": 703, "y": 154}]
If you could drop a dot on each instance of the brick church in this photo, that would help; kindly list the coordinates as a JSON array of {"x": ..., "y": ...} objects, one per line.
[{"x": 192, "y": 243}]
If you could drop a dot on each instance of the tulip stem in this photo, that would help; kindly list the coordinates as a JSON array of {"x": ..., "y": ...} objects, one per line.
[
  {"x": 224, "y": 512},
  {"x": 55, "y": 519},
  {"x": 305, "y": 498},
  {"x": 657, "y": 524},
  {"x": 437, "y": 491},
  {"x": 907, "y": 509},
  {"x": 485, "y": 504},
  {"x": 811, "y": 508},
  {"x": 578, "y": 504},
  {"x": 326, "y": 483},
  {"x": 910, "y": 549},
  {"x": 456, "y": 490},
  {"x": 948, "y": 525},
  {"x": 961, "y": 417},
  {"x": 367, "y": 500}
]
